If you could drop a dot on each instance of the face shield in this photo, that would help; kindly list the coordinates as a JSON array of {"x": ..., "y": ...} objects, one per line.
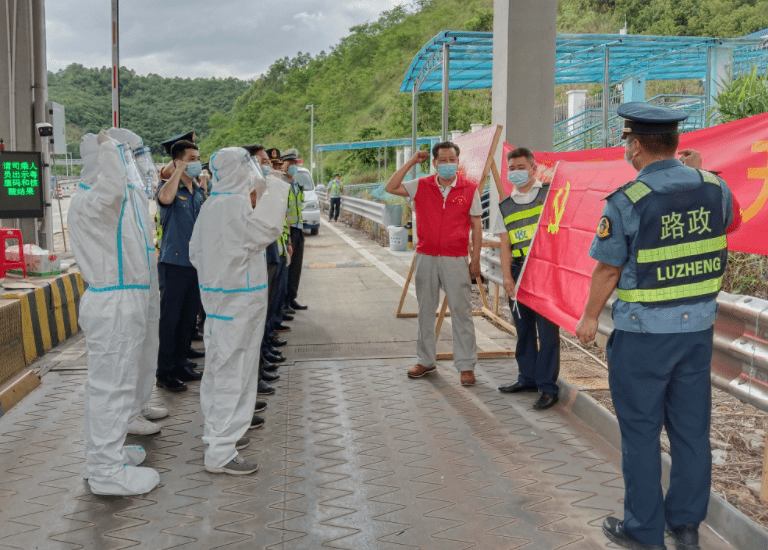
[
  {"x": 146, "y": 167},
  {"x": 257, "y": 176}
]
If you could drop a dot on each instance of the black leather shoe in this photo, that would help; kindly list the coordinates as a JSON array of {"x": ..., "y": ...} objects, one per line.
[
  {"x": 192, "y": 353},
  {"x": 197, "y": 337},
  {"x": 614, "y": 530},
  {"x": 277, "y": 342},
  {"x": 297, "y": 306},
  {"x": 274, "y": 351},
  {"x": 256, "y": 423},
  {"x": 188, "y": 375},
  {"x": 517, "y": 387},
  {"x": 287, "y": 317},
  {"x": 288, "y": 311},
  {"x": 545, "y": 401},
  {"x": 173, "y": 385},
  {"x": 194, "y": 365},
  {"x": 273, "y": 358},
  {"x": 265, "y": 389},
  {"x": 266, "y": 366},
  {"x": 279, "y": 327},
  {"x": 260, "y": 406},
  {"x": 270, "y": 377},
  {"x": 686, "y": 537}
]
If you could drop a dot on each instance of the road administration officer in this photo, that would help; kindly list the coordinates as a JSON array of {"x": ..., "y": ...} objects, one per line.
[
  {"x": 227, "y": 249},
  {"x": 538, "y": 363},
  {"x": 111, "y": 244},
  {"x": 179, "y": 201},
  {"x": 142, "y": 412},
  {"x": 662, "y": 240}
]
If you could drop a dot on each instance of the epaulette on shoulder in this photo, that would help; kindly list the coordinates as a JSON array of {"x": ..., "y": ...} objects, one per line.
[{"x": 619, "y": 189}]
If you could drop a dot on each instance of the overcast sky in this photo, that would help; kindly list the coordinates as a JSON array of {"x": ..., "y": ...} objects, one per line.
[{"x": 196, "y": 38}]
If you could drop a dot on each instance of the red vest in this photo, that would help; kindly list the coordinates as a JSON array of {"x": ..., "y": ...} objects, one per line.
[{"x": 443, "y": 231}]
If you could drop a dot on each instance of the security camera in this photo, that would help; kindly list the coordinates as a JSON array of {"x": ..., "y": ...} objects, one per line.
[{"x": 45, "y": 129}]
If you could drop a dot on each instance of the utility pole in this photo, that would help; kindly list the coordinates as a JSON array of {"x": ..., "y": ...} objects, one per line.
[
  {"x": 312, "y": 140},
  {"x": 115, "y": 64}
]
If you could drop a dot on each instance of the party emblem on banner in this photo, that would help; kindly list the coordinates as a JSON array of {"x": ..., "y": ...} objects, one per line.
[
  {"x": 558, "y": 205},
  {"x": 757, "y": 173}
]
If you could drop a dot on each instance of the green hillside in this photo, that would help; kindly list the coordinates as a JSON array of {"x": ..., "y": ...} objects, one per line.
[{"x": 154, "y": 107}]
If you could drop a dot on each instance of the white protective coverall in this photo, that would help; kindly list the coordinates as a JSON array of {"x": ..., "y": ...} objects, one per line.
[
  {"x": 148, "y": 361},
  {"x": 227, "y": 249},
  {"x": 111, "y": 248}
]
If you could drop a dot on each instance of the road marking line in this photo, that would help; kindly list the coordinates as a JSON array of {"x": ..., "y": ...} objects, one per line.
[
  {"x": 384, "y": 268},
  {"x": 487, "y": 342}
]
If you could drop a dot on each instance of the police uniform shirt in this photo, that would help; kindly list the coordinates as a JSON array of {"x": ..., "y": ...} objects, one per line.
[
  {"x": 178, "y": 220},
  {"x": 518, "y": 198},
  {"x": 618, "y": 226},
  {"x": 413, "y": 185}
]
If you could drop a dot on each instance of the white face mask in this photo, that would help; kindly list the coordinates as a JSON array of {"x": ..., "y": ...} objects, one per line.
[
  {"x": 518, "y": 178},
  {"x": 630, "y": 157}
]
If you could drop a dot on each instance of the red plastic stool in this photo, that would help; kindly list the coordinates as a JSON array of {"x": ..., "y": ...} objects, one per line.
[{"x": 5, "y": 264}]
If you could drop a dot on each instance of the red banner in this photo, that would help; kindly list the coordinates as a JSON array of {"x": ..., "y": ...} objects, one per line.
[
  {"x": 558, "y": 271},
  {"x": 475, "y": 149}
]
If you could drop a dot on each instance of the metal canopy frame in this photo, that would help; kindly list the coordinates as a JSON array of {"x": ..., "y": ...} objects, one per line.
[{"x": 467, "y": 61}]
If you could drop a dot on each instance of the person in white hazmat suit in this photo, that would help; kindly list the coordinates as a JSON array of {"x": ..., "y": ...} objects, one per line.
[
  {"x": 227, "y": 249},
  {"x": 110, "y": 244},
  {"x": 142, "y": 413}
]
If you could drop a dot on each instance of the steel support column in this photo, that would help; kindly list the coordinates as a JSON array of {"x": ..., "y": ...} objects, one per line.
[
  {"x": 414, "y": 131},
  {"x": 446, "y": 82}
]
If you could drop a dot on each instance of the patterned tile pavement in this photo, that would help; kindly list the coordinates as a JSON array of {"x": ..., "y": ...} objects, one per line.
[{"x": 354, "y": 455}]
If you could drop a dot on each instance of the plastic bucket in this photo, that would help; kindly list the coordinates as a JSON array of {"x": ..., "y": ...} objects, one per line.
[{"x": 398, "y": 238}]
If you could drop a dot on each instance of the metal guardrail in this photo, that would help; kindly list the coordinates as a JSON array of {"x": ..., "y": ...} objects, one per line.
[
  {"x": 740, "y": 354},
  {"x": 374, "y": 211}
]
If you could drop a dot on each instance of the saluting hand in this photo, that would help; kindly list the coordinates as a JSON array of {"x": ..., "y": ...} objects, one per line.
[
  {"x": 691, "y": 158},
  {"x": 181, "y": 166},
  {"x": 420, "y": 157}
]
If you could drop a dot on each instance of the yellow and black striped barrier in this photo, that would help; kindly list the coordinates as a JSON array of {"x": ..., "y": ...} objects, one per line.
[{"x": 48, "y": 313}]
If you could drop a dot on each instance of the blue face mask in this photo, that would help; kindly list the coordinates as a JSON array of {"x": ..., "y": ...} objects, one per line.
[
  {"x": 292, "y": 170},
  {"x": 265, "y": 169},
  {"x": 447, "y": 171},
  {"x": 518, "y": 178},
  {"x": 194, "y": 169}
]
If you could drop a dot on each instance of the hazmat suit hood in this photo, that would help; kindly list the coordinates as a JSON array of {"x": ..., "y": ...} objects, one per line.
[
  {"x": 235, "y": 173},
  {"x": 89, "y": 152},
  {"x": 123, "y": 135}
]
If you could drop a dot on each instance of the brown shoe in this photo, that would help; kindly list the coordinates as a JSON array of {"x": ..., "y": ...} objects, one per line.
[
  {"x": 420, "y": 370},
  {"x": 467, "y": 378}
]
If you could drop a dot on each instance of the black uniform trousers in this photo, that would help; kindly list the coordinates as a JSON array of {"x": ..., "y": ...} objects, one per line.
[
  {"x": 334, "y": 209},
  {"x": 179, "y": 304},
  {"x": 538, "y": 362},
  {"x": 294, "y": 270},
  {"x": 662, "y": 380}
]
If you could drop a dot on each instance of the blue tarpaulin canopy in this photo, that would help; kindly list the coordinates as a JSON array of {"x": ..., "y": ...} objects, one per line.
[{"x": 579, "y": 58}]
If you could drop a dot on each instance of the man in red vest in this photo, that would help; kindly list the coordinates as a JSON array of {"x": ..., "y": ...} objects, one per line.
[{"x": 447, "y": 206}]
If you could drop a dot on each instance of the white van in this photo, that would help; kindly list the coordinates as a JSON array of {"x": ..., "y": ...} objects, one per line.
[{"x": 311, "y": 208}]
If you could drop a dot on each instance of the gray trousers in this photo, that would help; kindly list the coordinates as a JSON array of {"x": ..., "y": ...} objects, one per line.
[{"x": 452, "y": 275}]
